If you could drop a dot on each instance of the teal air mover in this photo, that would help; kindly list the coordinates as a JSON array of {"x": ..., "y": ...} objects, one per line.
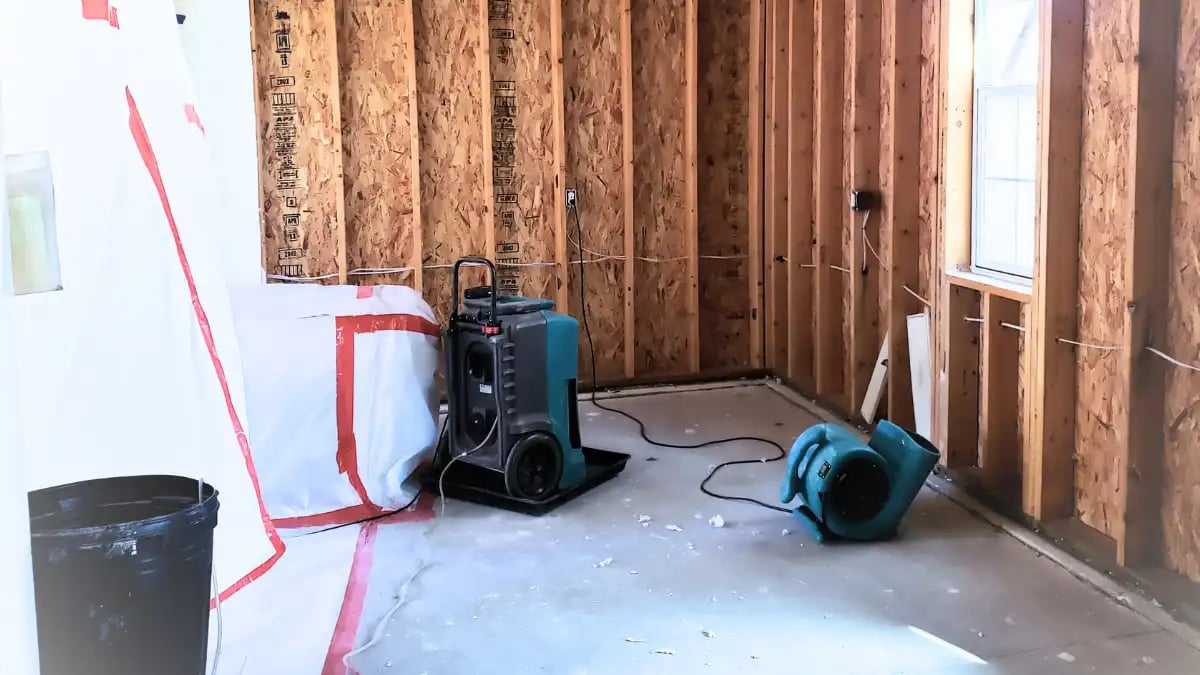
[
  {"x": 851, "y": 490},
  {"x": 512, "y": 435}
]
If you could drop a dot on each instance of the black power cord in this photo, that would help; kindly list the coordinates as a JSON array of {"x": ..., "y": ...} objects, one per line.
[{"x": 573, "y": 208}]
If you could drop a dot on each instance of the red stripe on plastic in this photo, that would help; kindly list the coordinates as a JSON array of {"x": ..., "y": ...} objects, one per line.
[
  {"x": 346, "y": 629},
  {"x": 142, "y": 139},
  {"x": 347, "y": 447},
  {"x": 342, "y": 516},
  {"x": 421, "y": 511},
  {"x": 189, "y": 111},
  {"x": 365, "y": 292},
  {"x": 345, "y": 328},
  {"x": 99, "y": 10},
  {"x": 95, "y": 10}
]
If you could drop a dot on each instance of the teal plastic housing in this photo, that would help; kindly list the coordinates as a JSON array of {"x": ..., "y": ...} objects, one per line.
[
  {"x": 562, "y": 372},
  {"x": 828, "y": 463}
]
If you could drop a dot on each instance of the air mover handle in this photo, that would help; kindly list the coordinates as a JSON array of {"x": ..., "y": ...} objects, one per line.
[{"x": 472, "y": 260}]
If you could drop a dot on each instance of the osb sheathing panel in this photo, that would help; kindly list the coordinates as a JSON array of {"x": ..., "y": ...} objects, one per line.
[
  {"x": 660, "y": 179},
  {"x": 375, "y": 52},
  {"x": 592, "y": 72},
  {"x": 454, "y": 207},
  {"x": 724, "y": 144},
  {"x": 522, "y": 119},
  {"x": 1109, "y": 95},
  {"x": 295, "y": 55},
  {"x": 1181, "y": 492}
]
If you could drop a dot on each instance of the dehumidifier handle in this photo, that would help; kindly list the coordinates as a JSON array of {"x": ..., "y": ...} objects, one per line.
[{"x": 472, "y": 260}]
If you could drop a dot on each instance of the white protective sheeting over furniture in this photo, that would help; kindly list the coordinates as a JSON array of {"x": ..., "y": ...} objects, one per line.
[{"x": 341, "y": 397}]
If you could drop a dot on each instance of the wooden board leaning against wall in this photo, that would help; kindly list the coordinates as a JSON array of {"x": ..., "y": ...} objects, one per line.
[{"x": 399, "y": 135}]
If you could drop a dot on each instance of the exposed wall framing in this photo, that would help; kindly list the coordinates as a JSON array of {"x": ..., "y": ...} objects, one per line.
[
  {"x": 462, "y": 126},
  {"x": 1103, "y": 433},
  {"x": 714, "y": 144}
]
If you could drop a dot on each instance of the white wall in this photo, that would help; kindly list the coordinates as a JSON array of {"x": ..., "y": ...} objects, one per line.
[
  {"x": 18, "y": 640},
  {"x": 216, "y": 39}
]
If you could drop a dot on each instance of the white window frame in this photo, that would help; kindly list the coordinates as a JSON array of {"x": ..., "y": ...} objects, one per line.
[{"x": 980, "y": 262}]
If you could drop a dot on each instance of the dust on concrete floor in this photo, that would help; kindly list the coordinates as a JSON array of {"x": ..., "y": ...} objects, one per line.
[{"x": 505, "y": 593}]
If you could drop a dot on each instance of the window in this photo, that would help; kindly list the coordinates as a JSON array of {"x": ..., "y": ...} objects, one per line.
[{"x": 1004, "y": 151}]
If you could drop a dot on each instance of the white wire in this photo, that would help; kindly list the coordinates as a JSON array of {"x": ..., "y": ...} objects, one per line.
[
  {"x": 1019, "y": 329},
  {"x": 972, "y": 319},
  {"x": 441, "y": 478},
  {"x": 216, "y": 589},
  {"x": 1085, "y": 345},
  {"x": 867, "y": 245},
  {"x": 377, "y": 634},
  {"x": 1172, "y": 360},
  {"x": 840, "y": 268},
  {"x": 917, "y": 296}
]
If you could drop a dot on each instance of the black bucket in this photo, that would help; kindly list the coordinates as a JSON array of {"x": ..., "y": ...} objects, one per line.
[{"x": 121, "y": 572}]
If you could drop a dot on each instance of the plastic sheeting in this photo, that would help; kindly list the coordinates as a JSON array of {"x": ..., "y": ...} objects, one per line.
[
  {"x": 18, "y": 643},
  {"x": 341, "y": 397},
  {"x": 133, "y": 367}
]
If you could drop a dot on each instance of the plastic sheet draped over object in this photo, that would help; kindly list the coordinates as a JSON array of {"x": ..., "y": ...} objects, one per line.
[
  {"x": 132, "y": 367},
  {"x": 340, "y": 395}
]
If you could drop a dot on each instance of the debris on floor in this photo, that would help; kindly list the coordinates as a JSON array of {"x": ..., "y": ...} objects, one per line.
[
  {"x": 667, "y": 652},
  {"x": 717, "y": 521},
  {"x": 604, "y": 563},
  {"x": 674, "y": 528},
  {"x": 1066, "y": 656}
]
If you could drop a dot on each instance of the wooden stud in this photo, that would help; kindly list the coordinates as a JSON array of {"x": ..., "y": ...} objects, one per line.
[
  {"x": 962, "y": 444},
  {"x": 1048, "y": 485},
  {"x": 489, "y": 178},
  {"x": 692, "y": 198},
  {"x": 757, "y": 232},
  {"x": 407, "y": 26},
  {"x": 1140, "y": 486},
  {"x": 800, "y": 195},
  {"x": 562, "y": 269},
  {"x": 1000, "y": 452},
  {"x": 776, "y": 174},
  {"x": 627, "y": 176},
  {"x": 865, "y": 23},
  {"x": 960, "y": 99},
  {"x": 830, "y": 200},
  {"x": 903, "y": 76},
  {"x": 951, "y": 240}
]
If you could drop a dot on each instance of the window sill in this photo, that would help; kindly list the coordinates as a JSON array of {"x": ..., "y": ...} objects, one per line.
[{"x": 1006, "y": 289}]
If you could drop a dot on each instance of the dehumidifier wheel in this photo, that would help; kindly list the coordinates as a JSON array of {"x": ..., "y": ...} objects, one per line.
[{"x": 534, "y": 467}]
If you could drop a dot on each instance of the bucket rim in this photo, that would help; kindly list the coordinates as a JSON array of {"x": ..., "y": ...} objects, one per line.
[{"x": 209, "y": 502}]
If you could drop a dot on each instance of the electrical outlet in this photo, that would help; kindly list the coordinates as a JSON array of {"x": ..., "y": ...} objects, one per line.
[
  {"x": 572, "y": 198},
  {"x": 862, "y": 200}
]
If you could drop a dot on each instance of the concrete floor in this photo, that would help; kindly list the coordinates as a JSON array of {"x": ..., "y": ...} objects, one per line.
[{"x": 503, "y": 593}]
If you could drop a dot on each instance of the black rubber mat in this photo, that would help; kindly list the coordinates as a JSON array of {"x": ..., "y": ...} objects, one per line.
[{"x": 479, "y": 485}]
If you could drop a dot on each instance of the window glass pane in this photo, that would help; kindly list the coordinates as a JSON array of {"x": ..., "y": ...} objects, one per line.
[
  {"x": 997, "y": 243},
  {"x": 1026, "y": 136},
  {"x": 1006, "y": 42},
  {"x": 1005, "y": 142},
  {"x": 1026, "y": 203},
  {"x": 998, "y": 137}
]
